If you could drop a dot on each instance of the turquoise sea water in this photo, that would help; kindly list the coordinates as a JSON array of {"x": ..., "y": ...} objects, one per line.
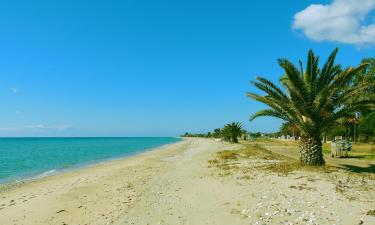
[{"x": 23, "y": 158}]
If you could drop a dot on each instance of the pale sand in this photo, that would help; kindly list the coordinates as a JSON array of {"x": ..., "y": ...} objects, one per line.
[{"x": 173, "y": 185}]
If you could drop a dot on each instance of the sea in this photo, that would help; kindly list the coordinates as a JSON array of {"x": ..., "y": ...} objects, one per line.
[{"x": 31, "y": 158}]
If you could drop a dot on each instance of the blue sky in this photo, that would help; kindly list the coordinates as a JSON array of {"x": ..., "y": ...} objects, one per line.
[{"x": 156, "y": 68}]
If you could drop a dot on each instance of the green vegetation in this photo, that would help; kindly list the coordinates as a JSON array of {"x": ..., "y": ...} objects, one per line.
[
  {"x": 366, "y": 127},
  {"x": 231, "y": 132},
  {"x": 357, "y": 127},
  {"x": 314, "y": 100},
  {"x": 359, "y": 150}
]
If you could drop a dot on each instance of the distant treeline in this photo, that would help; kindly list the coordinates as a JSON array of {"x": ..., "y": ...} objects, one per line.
[
  {"x": 359, "y": 128},
  {"x": 231, "y": 133}
]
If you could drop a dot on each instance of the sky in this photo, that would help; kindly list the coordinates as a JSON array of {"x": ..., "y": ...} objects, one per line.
[{"x": 157, "y": 67}]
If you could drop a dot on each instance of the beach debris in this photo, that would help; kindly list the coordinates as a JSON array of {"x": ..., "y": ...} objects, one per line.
[
  {"x": 371, "y": 213},
  {"x": 60, "y": 211}
]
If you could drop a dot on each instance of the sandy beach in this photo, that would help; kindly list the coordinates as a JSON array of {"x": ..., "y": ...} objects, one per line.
[{"x": 175, "y": 184}]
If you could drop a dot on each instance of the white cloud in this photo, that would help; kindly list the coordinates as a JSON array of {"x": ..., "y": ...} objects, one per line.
[
  {"x": 61, "y": 127},
  {"x": 14, "y": 89},
  {"x": 341, "y": 21},
  {"x": 36, "y": 127}
]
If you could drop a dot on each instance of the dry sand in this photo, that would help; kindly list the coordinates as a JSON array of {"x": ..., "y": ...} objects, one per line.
[{"x": 174, "y": 185}]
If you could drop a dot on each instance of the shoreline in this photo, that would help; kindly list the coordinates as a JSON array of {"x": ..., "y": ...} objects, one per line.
[
  {"x": 45, "y": 200},
  {"x": 14, "y": 181}
]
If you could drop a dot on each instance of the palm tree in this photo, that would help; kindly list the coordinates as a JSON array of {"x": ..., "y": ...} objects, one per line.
[
  {"x": 232, "y": 131},
  {"x": 217, "y": 133},
  {"x": 313, "y": 99}
]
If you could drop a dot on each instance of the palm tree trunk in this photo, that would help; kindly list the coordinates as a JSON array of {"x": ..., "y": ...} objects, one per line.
[{"x": 311, "y": 151}]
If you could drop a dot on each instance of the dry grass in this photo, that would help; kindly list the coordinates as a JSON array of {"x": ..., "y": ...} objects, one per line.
[
  {"x": 286, "y": 167},
  {"x": 227, "y": 154},
  {"x": 359, "y": 150},
  {"x": 278, "y": 142},
  {"x": 252, "y": 159},
  {"x": 228, "y": 160}
]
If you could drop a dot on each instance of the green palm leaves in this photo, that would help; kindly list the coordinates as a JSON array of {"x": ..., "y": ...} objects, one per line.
[
  {"x": 312, "y": 98},
  {"x": 232, "y": 131}
]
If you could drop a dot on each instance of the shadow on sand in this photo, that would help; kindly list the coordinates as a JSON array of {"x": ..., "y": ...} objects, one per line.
[
  {"x": 358, "y": 169},
  {"x": 356, "y": 156}
]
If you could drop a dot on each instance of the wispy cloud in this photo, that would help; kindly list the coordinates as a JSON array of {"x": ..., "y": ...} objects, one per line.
[
  {"x": 36, "y": 127},
  {"x": 14, "y": 89},
  {"x": 341, "y": 21}
]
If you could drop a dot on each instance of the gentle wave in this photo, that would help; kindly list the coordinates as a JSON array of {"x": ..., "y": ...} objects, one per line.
[
  {"x": 23, "y": 159},
  {"x": 39, "y": 176},
  {"x": 45, "y": 174}
]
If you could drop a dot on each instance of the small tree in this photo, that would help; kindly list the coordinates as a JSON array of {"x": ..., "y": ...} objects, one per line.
[
  {"x": 217, "y": 133},
  {"x": 366, "y": 126},
  {"x": 232, "y": 131}
]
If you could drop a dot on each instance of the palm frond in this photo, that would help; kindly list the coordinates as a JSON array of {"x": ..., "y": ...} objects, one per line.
[
  {"x": 269, "y": 112},
  {"x": 313, "y": 98}
]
